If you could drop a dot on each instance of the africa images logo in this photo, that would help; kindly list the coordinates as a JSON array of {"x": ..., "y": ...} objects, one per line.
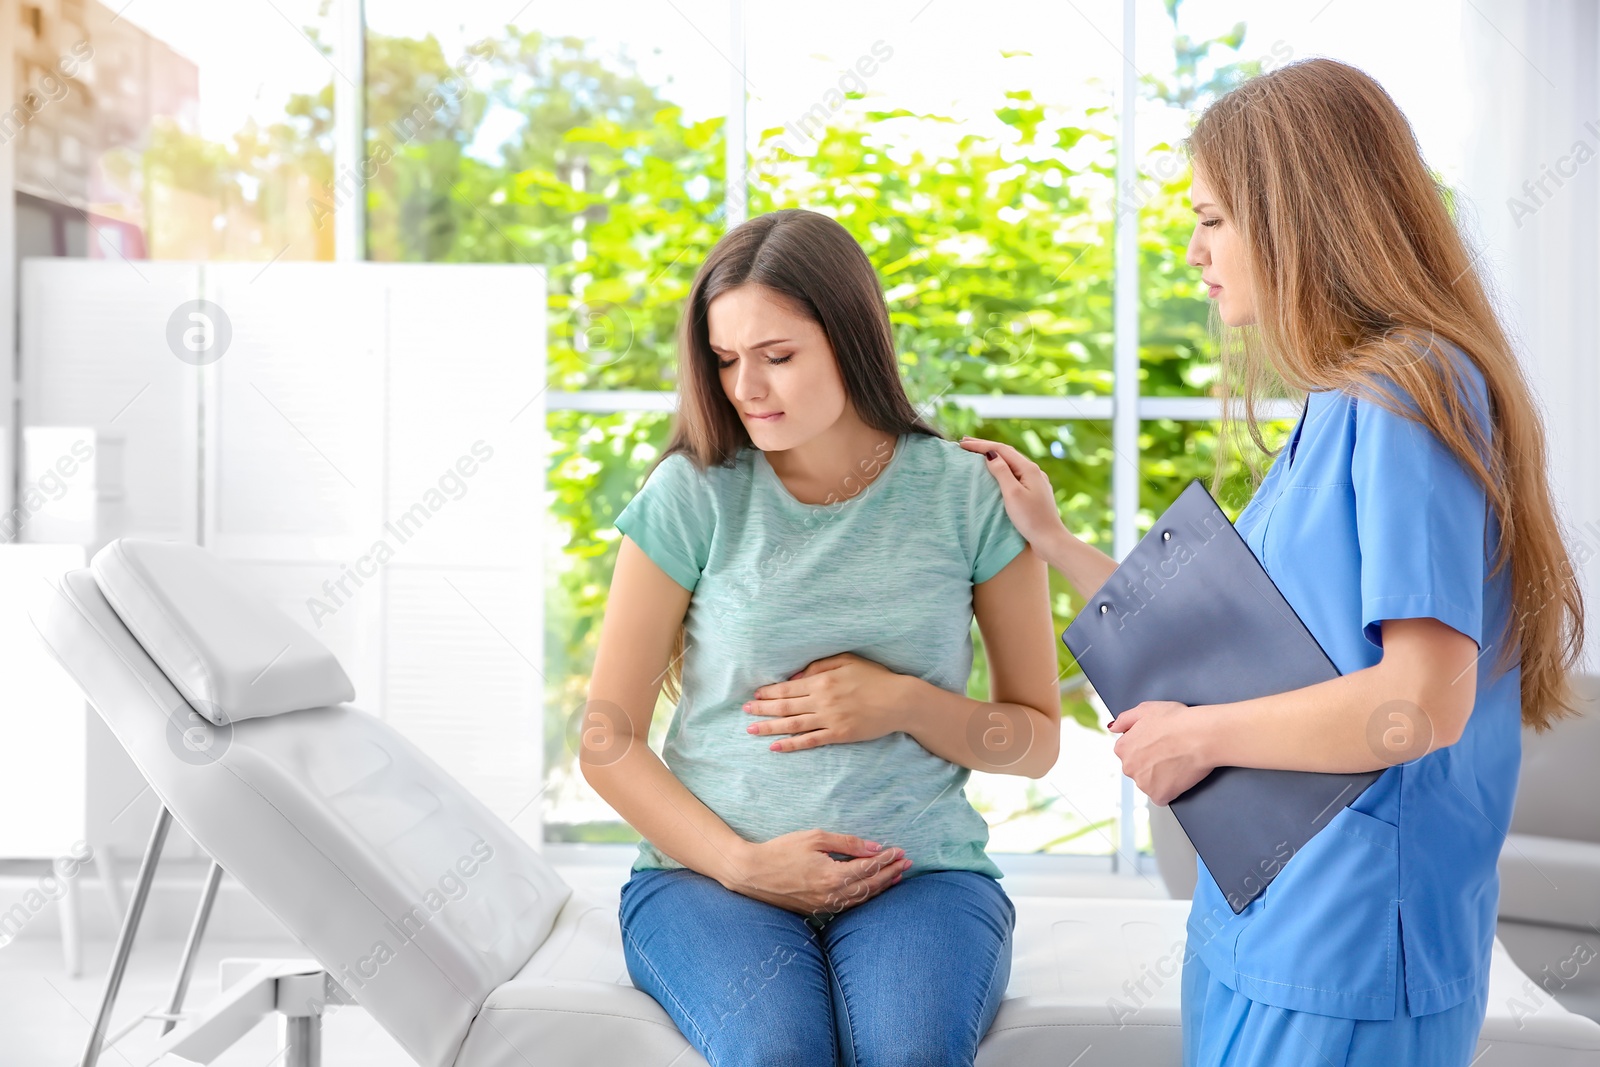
[{"x": 199, "y": 332}]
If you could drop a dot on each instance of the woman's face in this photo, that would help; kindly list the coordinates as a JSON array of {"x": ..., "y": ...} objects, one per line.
[
  {"x": 777, "y": 368},
  {"x": 1215, "y": 247}
]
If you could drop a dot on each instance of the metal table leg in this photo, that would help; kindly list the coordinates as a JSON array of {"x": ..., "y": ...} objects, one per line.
[
  {"x": 302, "y": 1040},
  {"x": 180, "y": 987},
  {"x": 130, "y": 927}
]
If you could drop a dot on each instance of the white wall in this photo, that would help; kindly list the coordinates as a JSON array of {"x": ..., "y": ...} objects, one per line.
[
  {"x": 376, "y": 427},
  {"x": 1535, "y": 109}
]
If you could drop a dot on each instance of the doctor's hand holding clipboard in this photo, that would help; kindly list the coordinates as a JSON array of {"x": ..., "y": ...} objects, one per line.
[{"x": 1335, "y": 269}]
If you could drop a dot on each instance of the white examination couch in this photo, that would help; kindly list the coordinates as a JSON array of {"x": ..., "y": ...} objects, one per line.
[{"x": 360, "y": 844}]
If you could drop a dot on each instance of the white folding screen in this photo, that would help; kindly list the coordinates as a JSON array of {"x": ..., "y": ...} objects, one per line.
[
  {"x": 368, "y": 448},
  {"x": 466, "y": 427}
]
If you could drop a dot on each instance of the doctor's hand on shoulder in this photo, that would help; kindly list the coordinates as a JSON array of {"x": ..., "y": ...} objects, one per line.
[
  {"x": 1030, "y": 501},
  {"x": 1031, "y": 505}
]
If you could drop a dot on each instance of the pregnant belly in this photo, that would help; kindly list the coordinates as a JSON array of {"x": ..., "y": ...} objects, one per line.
[{"x": 889, "y": 789}]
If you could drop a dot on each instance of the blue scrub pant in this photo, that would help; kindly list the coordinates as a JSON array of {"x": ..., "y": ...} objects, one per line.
[
  {"x": 1222, "y": 1028},
  {"x": 748, "y": 982}
]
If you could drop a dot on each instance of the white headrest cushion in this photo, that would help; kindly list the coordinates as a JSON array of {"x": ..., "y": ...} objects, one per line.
[{"x": 227, "y": 649}]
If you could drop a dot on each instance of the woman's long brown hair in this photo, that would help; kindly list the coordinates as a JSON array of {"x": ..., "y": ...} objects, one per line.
[
  {"x": 1358, "y": 274},
  {"x": 811, "y": 262}
]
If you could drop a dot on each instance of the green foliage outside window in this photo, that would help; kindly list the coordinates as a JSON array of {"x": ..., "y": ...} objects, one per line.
[{"x": 996, "y": 259}]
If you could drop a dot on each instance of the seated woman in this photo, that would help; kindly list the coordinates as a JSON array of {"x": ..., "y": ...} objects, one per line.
[{"x": 813, "y": 886}]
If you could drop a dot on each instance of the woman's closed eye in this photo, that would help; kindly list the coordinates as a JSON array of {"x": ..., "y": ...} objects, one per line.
[{"x": 725, "y": 364}]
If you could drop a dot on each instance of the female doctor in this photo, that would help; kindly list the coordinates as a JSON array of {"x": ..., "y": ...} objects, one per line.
[{"x": 1335, "y": 267}]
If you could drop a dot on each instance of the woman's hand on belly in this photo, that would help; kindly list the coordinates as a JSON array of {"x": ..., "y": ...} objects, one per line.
[
  {"x": 795, "y": 872},
  {"x": 838, "y": 699}
]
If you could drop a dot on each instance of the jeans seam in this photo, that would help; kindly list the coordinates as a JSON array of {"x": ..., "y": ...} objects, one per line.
[
  {"x": 994, "y": 968},
  {"x": 668, "y": 990},
  {"x": 844, "y": 1006}
]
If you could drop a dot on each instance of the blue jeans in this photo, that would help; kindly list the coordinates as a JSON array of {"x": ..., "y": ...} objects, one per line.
[{"x": 913, "y": 975}]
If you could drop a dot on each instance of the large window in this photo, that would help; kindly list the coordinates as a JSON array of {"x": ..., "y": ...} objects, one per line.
[{"x": 1030, "y": 228}]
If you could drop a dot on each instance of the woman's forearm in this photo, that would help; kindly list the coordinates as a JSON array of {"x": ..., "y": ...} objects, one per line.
[
  {"x": 645, "y": 609},
  {"x": 1357, "y": 722},
  {"x": 1085, "y": 566},
  {"x": 652, "y": 799},
  {"x": 985, "y": 735}
]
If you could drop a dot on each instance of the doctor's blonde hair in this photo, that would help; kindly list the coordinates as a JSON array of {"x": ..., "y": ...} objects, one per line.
[{"x": 1358, "y": 274}]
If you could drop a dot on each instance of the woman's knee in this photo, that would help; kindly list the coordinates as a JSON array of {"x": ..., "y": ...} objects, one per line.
[
  {"x": 966, "y": 967},
  {"x": 744, "y": 981}
]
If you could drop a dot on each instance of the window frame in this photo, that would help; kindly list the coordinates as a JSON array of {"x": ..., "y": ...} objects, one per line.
[{"x": 1126, "y": 409}]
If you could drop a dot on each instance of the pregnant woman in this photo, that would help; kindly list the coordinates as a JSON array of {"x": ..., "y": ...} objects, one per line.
[
  {"x": 808, "y": 556},
  {"x": 1410, "y": 526}
]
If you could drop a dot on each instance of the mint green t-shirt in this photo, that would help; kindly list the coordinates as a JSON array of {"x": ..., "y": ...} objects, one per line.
[{"x": 887, "y": 573}]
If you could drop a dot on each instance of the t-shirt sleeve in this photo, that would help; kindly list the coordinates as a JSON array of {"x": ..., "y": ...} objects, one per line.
[
  {"x": 1420, "y": 523},
  {"x": 671, "y": 519},
  {"x": 995, "y": 540}
]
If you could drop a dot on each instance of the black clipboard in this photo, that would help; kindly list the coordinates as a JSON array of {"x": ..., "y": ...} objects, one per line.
[{"x": 1190, "y": 615}]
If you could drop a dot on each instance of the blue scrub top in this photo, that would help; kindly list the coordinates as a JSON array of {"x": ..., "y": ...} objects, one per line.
[{"x": 1371, "y": 517}]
